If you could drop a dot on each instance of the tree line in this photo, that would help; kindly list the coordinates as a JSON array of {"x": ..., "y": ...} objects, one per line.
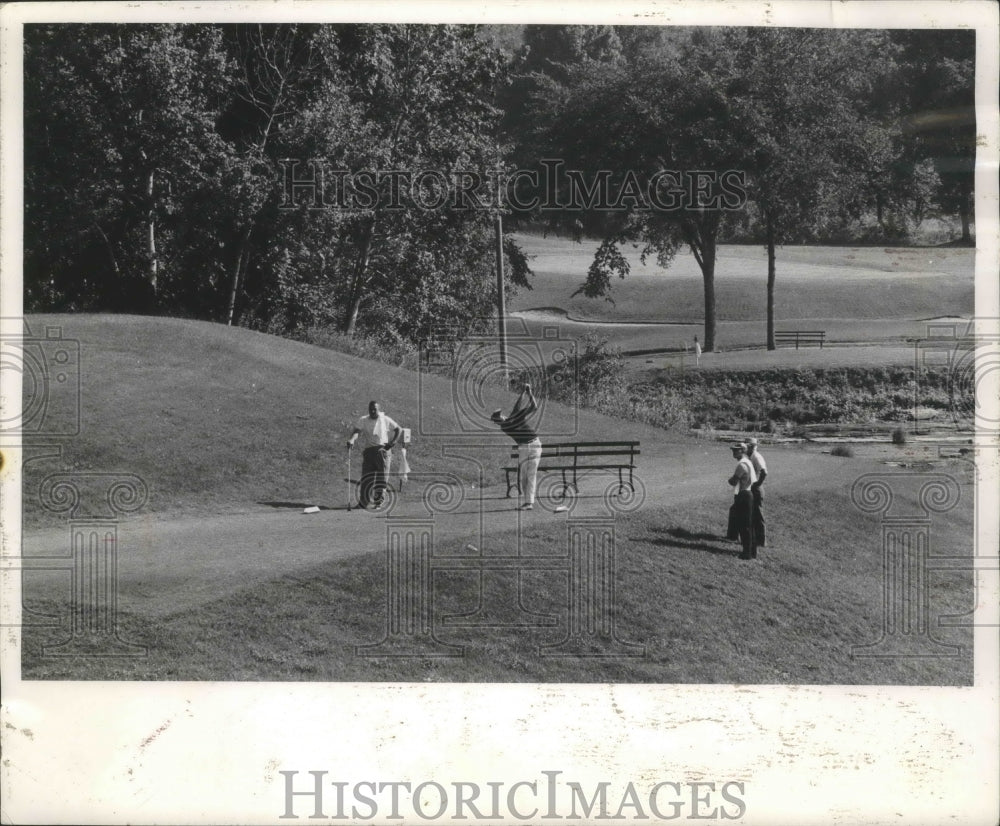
[
  {"x": 156, "y": 157},
  {"x": 154, "y": 172},
  {"x": 839, "y": 134}
]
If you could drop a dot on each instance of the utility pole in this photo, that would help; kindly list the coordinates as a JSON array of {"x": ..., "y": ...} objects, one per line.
[{"x": 501, "y": 298}]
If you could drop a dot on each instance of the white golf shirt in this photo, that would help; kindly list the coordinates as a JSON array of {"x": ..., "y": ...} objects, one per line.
[
  {"x": 375, "y": 432},
  {"x": 745, "y": 475}
]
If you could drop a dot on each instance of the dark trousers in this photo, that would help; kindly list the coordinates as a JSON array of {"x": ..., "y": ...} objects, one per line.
[
  {"x": 743, "y": 522},
  {"x": 758, "y": 517},
  {"x": 374, "y": 470}
]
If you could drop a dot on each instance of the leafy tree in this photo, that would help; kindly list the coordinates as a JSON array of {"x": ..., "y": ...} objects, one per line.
[
  {"x": 937, "y": 80},
  {"x": 797, "y": 113},
  {"x": 154, "y": 177},
  {"x": 286, "y": 94},
  {"x": 426, "y": 100},
  {"x": 799, "y": 106},
  {"x": 120, "y": 125},
  {"x": 667, "y": 111}
]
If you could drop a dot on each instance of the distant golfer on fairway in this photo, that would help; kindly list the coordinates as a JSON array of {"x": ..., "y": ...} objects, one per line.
[
  {"x": 378, "y": 435},
  {"x": 529, "y": 446}
]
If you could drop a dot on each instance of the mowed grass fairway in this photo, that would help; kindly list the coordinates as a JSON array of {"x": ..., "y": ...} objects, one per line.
[
  {"x": 700, "y": 615},
  {"x": 856, "y": 294},
  {"x": 223, "y": 578}
]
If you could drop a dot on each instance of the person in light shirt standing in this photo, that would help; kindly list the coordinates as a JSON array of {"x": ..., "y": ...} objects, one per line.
[
  {"x": 742, "y": 481},
  {"x": 529, "y": 446},
  {"x": 378, "y": 435},
  {"x": 760, "y": 468}
]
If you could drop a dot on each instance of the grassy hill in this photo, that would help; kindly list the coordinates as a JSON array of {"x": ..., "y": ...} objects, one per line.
[
  {"x": 700, "y": 615},
  {"x": 217, "y": 420},
  {"x": 214, "y": 418}
]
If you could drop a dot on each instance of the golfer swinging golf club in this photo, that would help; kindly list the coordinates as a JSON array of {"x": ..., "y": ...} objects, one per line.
[{"x": 529, "y": 446}]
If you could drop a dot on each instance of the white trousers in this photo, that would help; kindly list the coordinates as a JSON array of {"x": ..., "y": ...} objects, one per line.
[{"x": 528, "y": 458}]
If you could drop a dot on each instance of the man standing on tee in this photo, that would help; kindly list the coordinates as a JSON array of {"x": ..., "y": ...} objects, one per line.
[
  {"x": 760, "y": 468},
  {"x": 742, "y": 480},
  {"x": 378, "y": 434},
  {"x": 529, "y": 446}
]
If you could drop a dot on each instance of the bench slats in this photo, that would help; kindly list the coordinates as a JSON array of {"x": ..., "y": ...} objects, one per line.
[
  {"x": 568, "y": 455},
  {"x": 803, "y": 336},
  {"x": 569, "y": 458}
]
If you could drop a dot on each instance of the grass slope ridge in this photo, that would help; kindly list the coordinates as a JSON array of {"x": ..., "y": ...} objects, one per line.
[{"x": 217, "y": 418}]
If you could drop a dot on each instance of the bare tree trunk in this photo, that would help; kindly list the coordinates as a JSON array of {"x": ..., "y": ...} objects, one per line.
[
  {"x": 357, "y": 285},
  {"x": 240, "y": 267},
  {"x": 151, "y": 243},
  {"x": 708, "y": 276},
  {"x": 707, "y": 262},
  {"x": 965, "y": 213},
  {"x": 108, "y": 247},
  {"x": 700, "y": 237},
  {"x": 770, "y": 285}
]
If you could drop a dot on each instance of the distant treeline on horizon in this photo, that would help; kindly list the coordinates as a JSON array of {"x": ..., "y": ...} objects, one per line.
[{"x": 156, "y": 159}]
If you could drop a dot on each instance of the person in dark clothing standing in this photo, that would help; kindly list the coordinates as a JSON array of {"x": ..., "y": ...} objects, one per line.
[
  {"x": 760, "y": 468},
  {"x": 742, "y": 480},
  {"x": 529, "y": 446},
  {"x": 378, "y": 435}
]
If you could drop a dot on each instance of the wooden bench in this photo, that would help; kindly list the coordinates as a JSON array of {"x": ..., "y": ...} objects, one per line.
[
  {"x": 571, "y": 458},
  {"x": 797, "y": 336}
]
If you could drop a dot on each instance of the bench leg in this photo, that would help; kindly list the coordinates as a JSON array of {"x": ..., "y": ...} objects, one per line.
[{"x": 566, "y": 482}]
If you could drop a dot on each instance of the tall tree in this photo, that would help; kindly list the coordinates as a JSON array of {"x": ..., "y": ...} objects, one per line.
[
  {"x": 937, "y": 81},
  {"x": 800, "y": 109},
  {"x": 665, "y": 112},
  {"x": 426, "y": 100},
  {"x": 156, "y": 161},
  {"x": 120, "y": 125},
  {"x": 280, "y": 71}
]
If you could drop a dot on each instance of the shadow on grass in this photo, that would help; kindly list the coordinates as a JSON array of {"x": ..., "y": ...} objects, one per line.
[{"x": 683, "y": 538}]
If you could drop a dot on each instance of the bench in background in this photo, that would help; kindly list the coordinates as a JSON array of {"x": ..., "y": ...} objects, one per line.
[
  {"x": 572, "y": 458},
  {"x": 800, "y": 336}
]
